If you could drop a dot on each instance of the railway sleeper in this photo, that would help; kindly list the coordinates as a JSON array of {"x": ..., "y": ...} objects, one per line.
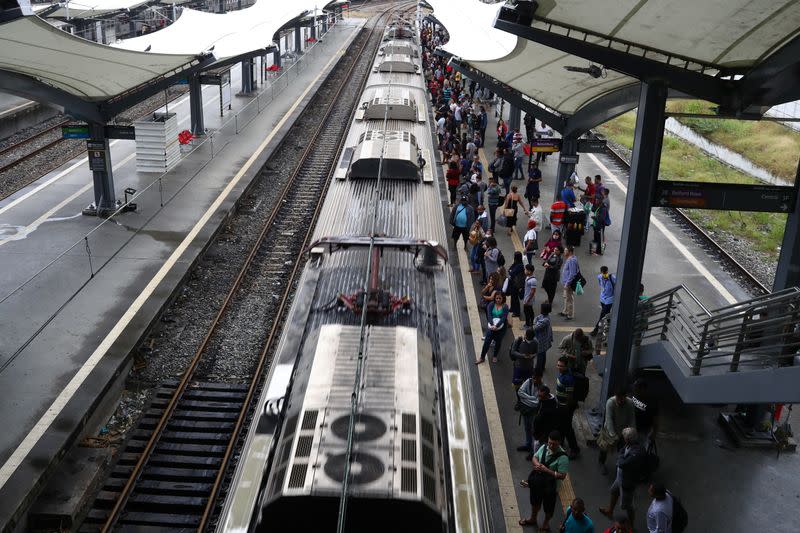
[
  {"x": 189, "y": 475},
  {"x": 193, "y": 414},
  {"x": 198, "y": 405},
  {"x": 176, "y": 460},
  {"x": 182, "y": 437},
  {"x": 159, "y": 520},
  {"x": 161, "y": 487}
]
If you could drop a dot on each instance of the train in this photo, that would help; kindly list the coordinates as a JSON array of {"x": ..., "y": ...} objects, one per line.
[{"x": 366, "y": 420}]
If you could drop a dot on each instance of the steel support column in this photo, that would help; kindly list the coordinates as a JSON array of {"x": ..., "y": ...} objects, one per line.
[
  {"x": 298, "y": 42},
  {"x": 324, "y": 25},
  {"x": 514, "y": 117},
  {"x": 314, "y": 28},
  {"x": 645, "y": 161},
  {"x": 104, "y": 198},
  {"x": 276, "y": 55},
  {"x": 196, "y": 105},
  {"x": 788, "y": 271},
  {"x": 569, "y": 147}
]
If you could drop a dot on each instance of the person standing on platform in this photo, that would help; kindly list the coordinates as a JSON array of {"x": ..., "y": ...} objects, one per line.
[
  {"x": 483, "y": 122},
  {"x": 568, "y": 194},
  {"x": 587, "y": 196},
  {"x": 529, "y": 296},
  {"x": 646, "y": 405},
  {"x": 577, "y": 521},
  {"x": 544, "y": 336},
  {"x": 599, "y": 223},
  {"x": 502, "y": 130},
  {"x": 453, "y": 177},
  {"x": 532, "y": 191},
  {"x": 498, "y": 322},
  {"x": 567, "y": 404},
  {"x": 506, "y": 170},
  {"x": 518, "y": 150},
  {"x": 552, "y": 268},
  {"x": 461, "y": 218},
  {"x": 577, "y": 348},
  {"x": 660, "y": 512},
  {"x": 515, "y": 283},
  {"x": 511, "y": 207},
  {"x": 528, "y": 406},
  {"x": 531, "y": 241},
  {"x": 620, "y": 414},
  {"x": 558, "y": 211},
  {"x": 493, "y": 191},
  {"x": 491, "y": 256},
  {"x": 523, "y": 353},
  {"x": 630, "y": 464},
  {"x": 569, "y": 272},
  {"x": 608, "y": 283},
  {"x": 550, "y": 466}
]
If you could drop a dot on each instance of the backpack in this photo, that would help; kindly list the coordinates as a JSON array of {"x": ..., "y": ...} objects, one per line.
[
  {"x": 680, "y": 518},
  {"x": 501, "y": 259},
  {"x": 581, "y": 390},
  {"x": 518, "y": 280}
]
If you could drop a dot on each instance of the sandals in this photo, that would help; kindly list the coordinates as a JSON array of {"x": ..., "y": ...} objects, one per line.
[
  {"x": 479, "y": 361},
  {"x": 528, "y": 522},
  {"x": 523, "y": 483}
]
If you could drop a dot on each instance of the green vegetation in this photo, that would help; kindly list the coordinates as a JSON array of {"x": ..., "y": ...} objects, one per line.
[
  {"x": 682, "y": 161},
  {"x": 769, "y": 145}
]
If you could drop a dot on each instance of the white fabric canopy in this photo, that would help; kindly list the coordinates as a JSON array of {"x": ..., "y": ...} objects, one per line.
[
  {"x": 472, "y": 34},
  {"x": 730, "y": 33},
  {"x": 230, "y": 34},
  {"x": 91, "y": 8},
  {"x": 88, "y": 70}
]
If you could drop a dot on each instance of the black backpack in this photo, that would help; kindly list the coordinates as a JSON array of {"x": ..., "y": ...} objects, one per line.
[
  {"x": 581, "y": 390},
  {"x": 680, "y": 518},
  {"x": 501, "y": 259}
]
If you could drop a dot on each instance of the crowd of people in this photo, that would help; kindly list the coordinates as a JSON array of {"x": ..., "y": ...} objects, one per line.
[{"x": 480, "y": 198}]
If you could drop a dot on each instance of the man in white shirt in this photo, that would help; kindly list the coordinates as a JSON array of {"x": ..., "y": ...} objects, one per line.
[
  {"x": 659, "y": 515},
  {"x": 536, "y": 213}
]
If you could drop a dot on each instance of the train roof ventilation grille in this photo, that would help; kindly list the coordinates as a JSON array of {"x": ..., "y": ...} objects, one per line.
[
  {"x": 428, "y": 487},
  {"x": 304, "y": 446},
  {"x": 297, "y": 478},
  {"x": 309, "y": 420},
  {"x": 409, "y": 450},
  {"x": 410, "y": 423},
  {"x": 365, "y": 468},
  {"x": 408, "y": 480},
  {"x": 366, "y": 428},
  {"x": 427, "y": 430}
]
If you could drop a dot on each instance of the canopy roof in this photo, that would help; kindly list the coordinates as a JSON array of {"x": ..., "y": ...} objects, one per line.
[
  {"x": 93, "y": 8},
  {"x": 742, "y": 54},
  {"x": 90, "y": 71},
  {"x": 230, "y": 34}
]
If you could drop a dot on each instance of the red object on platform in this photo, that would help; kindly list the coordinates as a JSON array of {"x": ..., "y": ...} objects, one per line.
[
  {"x": 185, "y": 137},
  {"x": 273, "y": 68},
  {"x": 311, "y": 40}
]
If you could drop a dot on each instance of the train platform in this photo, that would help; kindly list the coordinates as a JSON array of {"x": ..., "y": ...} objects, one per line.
[
  {"x": 18, "y": 113},
  {"x": 76, "y": 293},
  {"x": 698, "y": 461}
]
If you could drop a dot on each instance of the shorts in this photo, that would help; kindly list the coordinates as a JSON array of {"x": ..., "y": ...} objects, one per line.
[
  {"x": 547, "y": 501},
  {"x": 461, "y": 232},
  {"x": 625, "y": 495}
]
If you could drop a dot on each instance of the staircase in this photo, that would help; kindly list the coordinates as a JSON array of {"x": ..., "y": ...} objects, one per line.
[{"x": 740, "y": 353}]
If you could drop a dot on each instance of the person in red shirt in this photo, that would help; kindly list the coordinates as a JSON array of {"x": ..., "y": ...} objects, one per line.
[
  {"x": 453, "y": 176},
  {"x": 588, "y": 195}
]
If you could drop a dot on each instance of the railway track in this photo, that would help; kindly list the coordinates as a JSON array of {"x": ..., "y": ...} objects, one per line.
[
  {"x": 176, "y": 463},
  {"x": 733, "y": 265},
  {"x": 11, "y": 156}
]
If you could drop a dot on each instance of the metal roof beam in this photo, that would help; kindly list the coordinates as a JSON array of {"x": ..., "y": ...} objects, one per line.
[
  {"x": 776, "y": 80},
  {"x": 32, "y": 89},
  {"x": 648, "y": 70},
  {"x": 116, "y": 106},
  {"x": 512, "y": 96}
]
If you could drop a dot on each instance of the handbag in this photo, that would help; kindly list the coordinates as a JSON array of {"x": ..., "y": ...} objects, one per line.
[
  {"x": 578, "y": 288},
  {"x": 541, "y": 482},
  {"x": 502, "y": 220},
  {"x": 509, "y": 212}
]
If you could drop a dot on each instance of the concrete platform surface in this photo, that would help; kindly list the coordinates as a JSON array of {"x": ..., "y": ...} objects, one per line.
[
  {"x": 723, "y": 488},
  {"x": 68, "y": 331}
]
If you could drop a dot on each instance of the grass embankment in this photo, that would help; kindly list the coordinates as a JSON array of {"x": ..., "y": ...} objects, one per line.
[{"x": 682, "y": 161}]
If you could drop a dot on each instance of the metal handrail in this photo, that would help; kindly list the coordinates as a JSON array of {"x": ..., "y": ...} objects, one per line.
[{"x": 749, "y": 333}]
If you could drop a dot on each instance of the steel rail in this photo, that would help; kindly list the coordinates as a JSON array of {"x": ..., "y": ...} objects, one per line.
[
  {"x": 196, "y": 359},
  {"x": 740, "y": 269}
]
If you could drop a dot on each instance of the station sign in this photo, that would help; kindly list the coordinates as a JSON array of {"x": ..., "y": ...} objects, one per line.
[
  {"x": 127, "y": 133},
  {"x": 569, "y": 159},
  {"x": 97, "y": 155},
  {"x": 592, "y": 146},
  {"x": 546, "y": 144},
  {"x": 724, "y": 196},
  {"x": 75, "y": 131}
]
